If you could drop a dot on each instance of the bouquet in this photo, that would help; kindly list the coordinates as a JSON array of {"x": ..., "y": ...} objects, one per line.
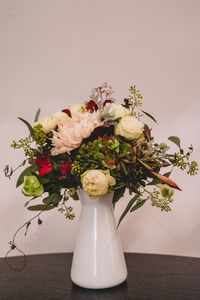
[{"x": 100, "y": 146}]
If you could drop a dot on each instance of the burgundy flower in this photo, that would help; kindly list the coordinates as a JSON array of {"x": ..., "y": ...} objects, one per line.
[
  {"x": 68, "y": 112},
  {"x": 65, "y": 168},
  {"x": 45, "y": 165},
  {"x": 107, "y": 101},
  {"x": 91, "y": 106}
]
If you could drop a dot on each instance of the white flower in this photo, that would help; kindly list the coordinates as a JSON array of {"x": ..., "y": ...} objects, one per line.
[
  {"x": 51, "y": 122},
  {"x": 76, "y": 109},
  {"x": 97, "y": 182},
  {"x": 166, "y": 190},
  {"x": 130, "y": 128},
  {"x": 60, "y": 118},
  {"x": 70, "y": 135},
  {"x": 114, "y": 111}
]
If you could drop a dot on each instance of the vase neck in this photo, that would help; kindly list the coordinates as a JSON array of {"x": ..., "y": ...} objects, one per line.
[{"x": 105, "y": 200}]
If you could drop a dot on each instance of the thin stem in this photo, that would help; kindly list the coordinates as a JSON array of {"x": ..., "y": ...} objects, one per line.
[{"x": 12, "y": 243}]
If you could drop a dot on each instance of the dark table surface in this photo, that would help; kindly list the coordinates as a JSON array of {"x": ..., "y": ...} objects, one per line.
[{"x": 150, "y": 276}]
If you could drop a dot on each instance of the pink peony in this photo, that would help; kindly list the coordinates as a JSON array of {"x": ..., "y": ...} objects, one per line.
[{"x": 70, "y": 134}]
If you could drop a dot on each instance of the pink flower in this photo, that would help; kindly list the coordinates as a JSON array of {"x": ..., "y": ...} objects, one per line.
[{"x": 70, "y": 134}]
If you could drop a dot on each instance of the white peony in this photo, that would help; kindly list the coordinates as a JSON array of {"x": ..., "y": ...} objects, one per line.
[
  {"x": 97, "y": 182},
  {"x": 76, "y": 109},
  {"x": 130, "y": 128},
  {"x": 114, "y": 111},
  {"x": 51, "y": 122}
]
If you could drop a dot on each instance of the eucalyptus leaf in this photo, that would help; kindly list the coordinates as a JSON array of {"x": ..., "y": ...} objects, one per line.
[
  {"x": 128, "y": 207},
  {"x": 28, "y": 125},
  {"x": 118, "y": 194},
  {"x": 37, "y": 115},
  {"x": 150, "y": 116},
  {"x": 53, "y": 199},
  {"x": 40, "y": 207},
  {"x": 27, "y": 172},
  {"x": 27, "y": 226},
  {"x": 74, "y": 196},
  {"x": 39, "y": 221},
  {"x": 138, "y": 205},
  {"x": 175, "y": 140}
]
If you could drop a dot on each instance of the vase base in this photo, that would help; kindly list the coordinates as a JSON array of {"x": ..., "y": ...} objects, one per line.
[{"x": 99, "y": 285}]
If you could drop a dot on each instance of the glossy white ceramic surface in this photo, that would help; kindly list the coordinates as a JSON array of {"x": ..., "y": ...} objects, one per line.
[{"x": 98, "y": 260}]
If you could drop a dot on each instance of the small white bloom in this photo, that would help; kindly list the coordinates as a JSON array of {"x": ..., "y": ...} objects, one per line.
[
  {"x": 97, "y": 182},
  {"x": 130, "y": 128},
  {"x": 114, "y": 111},
  {"x": 76, "y": 109}
]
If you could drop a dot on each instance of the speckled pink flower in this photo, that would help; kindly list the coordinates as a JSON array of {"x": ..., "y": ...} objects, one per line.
[{"x": 69, "y": 135}]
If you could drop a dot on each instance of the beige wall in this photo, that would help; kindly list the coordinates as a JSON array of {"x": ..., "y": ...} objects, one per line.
[{"x": 53, "y": 52}]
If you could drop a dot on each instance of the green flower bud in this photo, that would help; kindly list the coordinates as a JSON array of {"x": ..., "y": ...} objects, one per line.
[
  {"x": 32, "y": 186},
  {"x": 166, "y": 190}
]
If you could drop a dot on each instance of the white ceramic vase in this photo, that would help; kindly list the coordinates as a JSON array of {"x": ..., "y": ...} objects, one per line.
[{"x": 98, "y": 259}]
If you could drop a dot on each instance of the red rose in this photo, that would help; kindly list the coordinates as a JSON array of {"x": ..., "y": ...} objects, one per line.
[
  {"x": 91, "y": 106},
  {"x": 45, "y": 165},
  {"x": 65, "y": 168},
  {"x": 68, "y": 112}
]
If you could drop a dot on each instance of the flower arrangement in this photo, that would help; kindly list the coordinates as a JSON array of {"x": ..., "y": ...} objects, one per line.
[{"x": 99, "y": 146}]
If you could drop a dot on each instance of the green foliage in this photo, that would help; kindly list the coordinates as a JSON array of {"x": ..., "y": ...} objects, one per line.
[
  {"x": 127, "y": 209},
  {"x": 161, "y": 202},
  {"x": 118, "y": 193},
  {"x": 30, "y": 128},
  {"x": 139, "y": 204},
  {"x": 39, "y": 221},
  {"x": 150, "y": 116},
  {"x": 40, "y": 207},
  {"x": 25, "y": 144},
  {"x": 39, "y": 137},
  {"x": 27, "y": 172},
  {"x": 181, "y": 160},
  {"x": 37, "y": 115},
  {"x": 175, "y": 140}
]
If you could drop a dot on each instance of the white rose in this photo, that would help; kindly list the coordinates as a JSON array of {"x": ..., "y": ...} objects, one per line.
[
  {"x": 130, "y": 128},
  {"x": 60, "y": 118},
  {"x": 114, "y": 111},
  {"x": 96, "y": 182},
  {"x": 76, "y": 109},
  {"x": 48, "y": 124},
  {"x": 51, "y": 122}
]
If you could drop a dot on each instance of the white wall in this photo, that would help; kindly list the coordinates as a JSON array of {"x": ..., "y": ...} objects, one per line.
[{"x": 53, "y": 52}]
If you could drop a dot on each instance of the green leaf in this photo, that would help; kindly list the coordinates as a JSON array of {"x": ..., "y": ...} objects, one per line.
[
  {"x": 13, "y": 247},
  {"x": 74, "y": 196},
  {"x": 150, "y": 116},
  {"x": 28, "y": 125},
  {"x": 118, "y": 194},
  {"x": 125, "y": 171},
  {"x": 27, "y": 172},
  {"x": 175, "y": 140},
  {"x": 53, "y": 199},
  {"x": 37, "y": 115},
  {"x": 134, "y": 190},
  {"x": 27, "y": 226},
  {"x": 40, "y": 207},
  {"x": 39, "y": 221},
  {"x": 138, "y": 205},
  {"x": 128, "y": 207}
]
